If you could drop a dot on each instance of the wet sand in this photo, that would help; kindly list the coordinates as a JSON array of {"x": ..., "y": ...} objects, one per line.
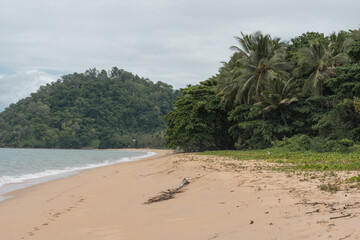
[{"x": 225, "y": 200}]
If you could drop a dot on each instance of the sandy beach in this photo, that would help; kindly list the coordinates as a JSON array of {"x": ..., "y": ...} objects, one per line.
[{"x": 225, "y": 199}]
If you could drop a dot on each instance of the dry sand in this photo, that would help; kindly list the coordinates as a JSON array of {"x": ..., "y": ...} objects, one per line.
[{"x": 224, "y": 200}]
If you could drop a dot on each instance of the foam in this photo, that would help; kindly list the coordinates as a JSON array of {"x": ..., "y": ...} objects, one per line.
[{"x": 52, "y": 173}]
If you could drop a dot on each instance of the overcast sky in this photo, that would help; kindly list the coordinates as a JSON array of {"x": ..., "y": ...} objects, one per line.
[{"x": 178, "y": 42}]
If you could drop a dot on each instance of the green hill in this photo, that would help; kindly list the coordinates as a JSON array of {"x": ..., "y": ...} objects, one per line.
[{"x": 95, "y": 109}]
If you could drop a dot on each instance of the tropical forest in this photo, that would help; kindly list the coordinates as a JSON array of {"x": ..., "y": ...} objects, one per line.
[
  {"x": 95, "y": 109},
  {"x": 302, "y": 94}
]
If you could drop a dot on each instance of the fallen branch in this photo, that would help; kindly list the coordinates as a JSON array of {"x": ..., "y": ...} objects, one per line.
[
  {"x": 311, "y": 203},
  {"x": 317, "y": 210},
  {"x": 347, "y": 215},
  {"x": 169, "y": 194}
]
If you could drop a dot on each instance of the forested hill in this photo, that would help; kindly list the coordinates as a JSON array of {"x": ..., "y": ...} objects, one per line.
[{"x": 95, "y": 109}]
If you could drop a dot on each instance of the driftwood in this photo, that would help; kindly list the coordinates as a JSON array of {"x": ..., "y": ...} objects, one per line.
[
  {"x": 169, "y": 194},
  {"x": 347, "y": 215},
  {"x": 317, "y": 210}
]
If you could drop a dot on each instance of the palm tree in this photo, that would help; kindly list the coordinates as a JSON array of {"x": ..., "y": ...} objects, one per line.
[
  {"x": 260, "y": 59},
  {"x": 278, "y": 96},
  {"x": 265, "y": 62},
  {"x": 340, "y": 43},
  {"x": 228, "y": 79},
  {"x": 319, "y": 61}
]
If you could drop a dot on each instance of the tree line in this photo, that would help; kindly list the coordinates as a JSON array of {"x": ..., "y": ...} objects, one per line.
[{"x": 271, "y": 90}]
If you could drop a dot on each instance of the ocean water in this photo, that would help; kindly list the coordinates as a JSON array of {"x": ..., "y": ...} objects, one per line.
[{"x": 20, "y": 168}]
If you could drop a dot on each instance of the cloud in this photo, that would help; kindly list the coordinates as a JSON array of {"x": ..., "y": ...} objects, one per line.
[{"x": 19, "y": 85}]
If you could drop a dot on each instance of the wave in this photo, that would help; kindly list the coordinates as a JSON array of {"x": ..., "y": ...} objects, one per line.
[{"x": 4, "y": 180}]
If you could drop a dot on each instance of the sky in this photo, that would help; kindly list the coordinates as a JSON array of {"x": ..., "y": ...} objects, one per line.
[{"x": 178, "y": 42}]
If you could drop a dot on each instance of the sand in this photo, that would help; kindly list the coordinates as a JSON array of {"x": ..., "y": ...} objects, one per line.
[{"x": 224, "y": 200}]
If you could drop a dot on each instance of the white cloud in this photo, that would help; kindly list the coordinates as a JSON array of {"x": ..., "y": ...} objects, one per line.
[{"x": 19, "y": 85}]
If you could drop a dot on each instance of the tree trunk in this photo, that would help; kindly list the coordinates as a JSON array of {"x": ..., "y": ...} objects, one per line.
[{"x": 283, "y": 117}]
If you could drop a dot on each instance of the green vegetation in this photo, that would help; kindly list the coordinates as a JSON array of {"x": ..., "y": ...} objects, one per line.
[
  {"x": 305, "y": 161},
  {"x": 354, "y": 179},
  {"x": 95, "y": 109},
  {"x": 199, "y": 121},
  {"x": 295, "y": 105},
  {"x": 329, "y": 187},
  {"x": 303, "y": 95}
]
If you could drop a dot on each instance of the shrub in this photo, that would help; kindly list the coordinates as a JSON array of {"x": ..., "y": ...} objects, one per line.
[
  {"x": 305, "y": 143},
  {"x": 299, "y": 142},
  {"x": 321, "y": 145},
  {"x": 344, "y": 145}
]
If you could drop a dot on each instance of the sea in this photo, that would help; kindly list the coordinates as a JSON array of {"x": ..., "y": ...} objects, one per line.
[{"x": 21, "y": 168}]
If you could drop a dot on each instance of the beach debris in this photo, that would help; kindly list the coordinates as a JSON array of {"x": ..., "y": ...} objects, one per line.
[
  {"x": 311, "y": 203},
  {"x": 316, "y": 211},
  {"x": 182, "y": 184},
  {"x": 343, "y": 216},
  {"x": 169, "y": 194},
  {"x": 251, "y": 222}
]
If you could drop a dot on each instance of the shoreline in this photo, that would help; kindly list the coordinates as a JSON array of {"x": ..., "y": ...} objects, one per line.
[
  {"x": 226, "y": 199},
  {"x": 7, "y": 189}
]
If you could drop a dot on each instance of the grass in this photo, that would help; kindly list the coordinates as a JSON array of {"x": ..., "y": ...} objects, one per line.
[
  {"x": 354, "y": 179},
  {"x": 329, "y": 187},
  {"x": 304, "y": 161},
  {"x": 307, "y": 164}
]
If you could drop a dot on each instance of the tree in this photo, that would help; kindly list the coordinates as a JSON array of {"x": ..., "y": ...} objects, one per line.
[
  {"x": 354, "y": 52},
  {"x": 199, "y": 120},
  {"x": 92, "y": 110},
  {"x": 303, "y": 41},
  {"x": 340, "y": 43},
  {"x": 277, "y": 97},
  {"x": 318, "y": 62},
  {"x": 228, "y": 80},
  {"x": 260, "y": 59}
]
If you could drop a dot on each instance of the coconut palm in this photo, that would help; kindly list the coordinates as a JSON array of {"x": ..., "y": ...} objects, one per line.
[
  {"x": 262, "y": 59},
  {"x": 340, "y": 43},
  {"x": 228, "y": 85},
  {"x": 278, "y": 96},
  {"x": 319, "y": 62},
  {"x": 265, "y": 62}
]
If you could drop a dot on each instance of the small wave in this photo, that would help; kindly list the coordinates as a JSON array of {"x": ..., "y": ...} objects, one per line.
[{"x": 68, "y": 170}]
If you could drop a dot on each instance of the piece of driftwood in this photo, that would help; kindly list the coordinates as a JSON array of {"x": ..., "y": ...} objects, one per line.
[
  {"x": 169, "y": 194},
  {"x": 317, "y": 210},
  {"x": 347, "y": 215}
]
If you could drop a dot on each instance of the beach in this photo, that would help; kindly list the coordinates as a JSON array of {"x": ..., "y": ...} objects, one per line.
[{"x": 225, "y": 199}]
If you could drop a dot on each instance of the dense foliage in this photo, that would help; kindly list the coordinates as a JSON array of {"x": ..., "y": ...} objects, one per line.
[
  {"x": 199, "y": 120},
  {"x": 307, "y": 88},
  {"x": 95, "y": 109}
]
